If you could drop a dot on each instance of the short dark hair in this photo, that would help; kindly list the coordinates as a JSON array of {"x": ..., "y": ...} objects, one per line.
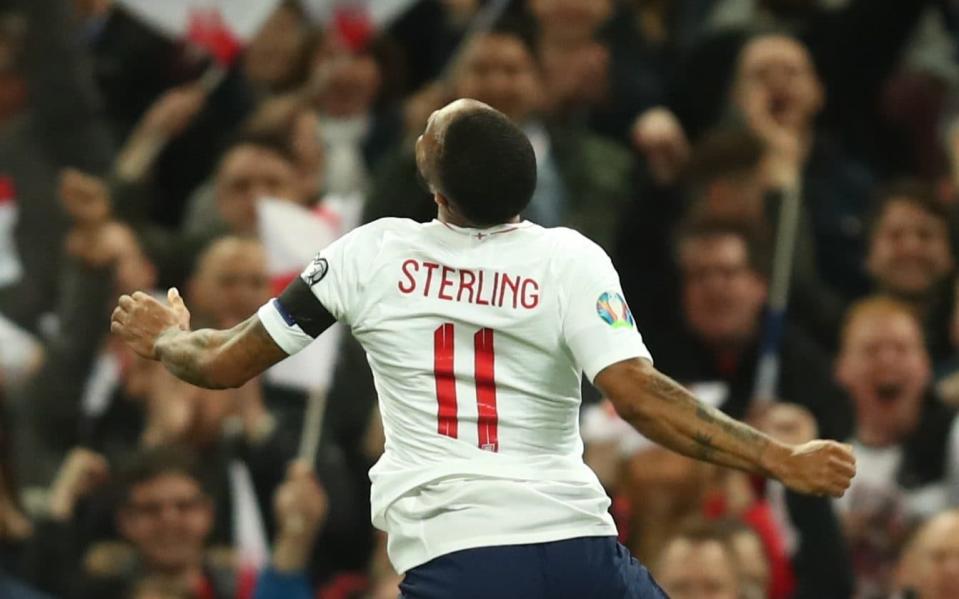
[
  {"x": 274, "y": 141},
  {"x": 147, "y": 464},
  {"x": 722, "y": 152},
  {"x": 486, "y": 167},
  {"x": 753, "y": 236},
  {"x": 913, "y": 191}
]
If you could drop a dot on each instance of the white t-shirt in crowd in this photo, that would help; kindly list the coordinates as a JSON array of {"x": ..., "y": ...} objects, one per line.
[{"x": 477, "y": 339}]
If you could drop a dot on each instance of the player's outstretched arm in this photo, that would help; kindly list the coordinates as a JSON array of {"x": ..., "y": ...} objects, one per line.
[
  {"x": 215, "y": 359},
  {"x": 664, "y": 411}
]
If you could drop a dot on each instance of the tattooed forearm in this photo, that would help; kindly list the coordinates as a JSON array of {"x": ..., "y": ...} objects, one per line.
[
  {"x": 670, "y": 415},
  {"x": 667, "y": 389},
  {"x": 219, "y": 359},
  {"x": 705, "y": 443},
  {"x": 184, "y": 354},
  {"x": 740, "y": 430}
]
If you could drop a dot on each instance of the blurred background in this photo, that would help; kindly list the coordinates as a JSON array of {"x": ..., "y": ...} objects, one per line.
[{"x": 777, "y": 182}]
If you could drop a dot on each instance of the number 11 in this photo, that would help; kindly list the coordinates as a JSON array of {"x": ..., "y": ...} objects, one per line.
[{"x": 484, "y": 374}]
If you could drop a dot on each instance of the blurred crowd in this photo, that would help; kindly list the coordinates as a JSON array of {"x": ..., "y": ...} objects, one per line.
[{"x": 674, "y": 133}]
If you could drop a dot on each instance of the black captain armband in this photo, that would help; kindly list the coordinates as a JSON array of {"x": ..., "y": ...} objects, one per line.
[{"x": 298, "y": 306}]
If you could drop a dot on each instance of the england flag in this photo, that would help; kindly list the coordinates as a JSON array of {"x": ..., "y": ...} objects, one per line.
[{"x": 221, "y": 27}]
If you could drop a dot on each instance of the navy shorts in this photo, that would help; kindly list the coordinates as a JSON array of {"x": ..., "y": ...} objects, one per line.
[{"x": 581, "y": 568}]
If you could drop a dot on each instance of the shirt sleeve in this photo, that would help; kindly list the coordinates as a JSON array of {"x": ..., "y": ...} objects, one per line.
[
  {"x": 327, "y": 291},
  {"x": 598, "y": 326}
]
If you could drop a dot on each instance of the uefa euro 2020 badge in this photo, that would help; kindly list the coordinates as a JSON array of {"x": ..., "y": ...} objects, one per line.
[
  {"x": 612, "y": 308},
  {"x": 315, "y": 272}
]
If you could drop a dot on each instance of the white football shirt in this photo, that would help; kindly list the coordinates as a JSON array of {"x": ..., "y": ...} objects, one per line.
[{"x": 477, "y": 339}]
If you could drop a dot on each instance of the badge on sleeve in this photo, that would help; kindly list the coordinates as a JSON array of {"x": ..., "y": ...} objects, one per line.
[
  {"x": 315, "y": 272},
  {"x": 612, "y": 308}
]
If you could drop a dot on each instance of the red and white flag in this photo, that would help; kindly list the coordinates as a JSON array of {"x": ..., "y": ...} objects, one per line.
[
  {"x": 357, "y": 21},
  {"x": 221, "y": 27}
]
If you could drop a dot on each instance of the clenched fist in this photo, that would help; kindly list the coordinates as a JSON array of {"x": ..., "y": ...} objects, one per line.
[
  {"x": 140, "y": 320},
  {"x": 823, "y": 468}
]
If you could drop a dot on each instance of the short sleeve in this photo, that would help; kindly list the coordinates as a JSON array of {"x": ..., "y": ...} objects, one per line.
[
  {"x": 328, "y": 290},
  {"x": 598, "y": 326}
]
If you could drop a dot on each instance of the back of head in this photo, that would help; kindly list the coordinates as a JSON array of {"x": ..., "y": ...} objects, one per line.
[{"x": 486, "y": 167}]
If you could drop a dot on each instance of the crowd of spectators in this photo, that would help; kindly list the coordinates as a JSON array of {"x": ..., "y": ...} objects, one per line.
[{"x": 674, "y": 133}]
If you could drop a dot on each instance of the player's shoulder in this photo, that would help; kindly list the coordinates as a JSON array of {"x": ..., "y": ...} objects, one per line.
[
  {"x": 386, "y": 225},
  {"x": 572, "y": 242},
  {"x": 374, "y": 234}
]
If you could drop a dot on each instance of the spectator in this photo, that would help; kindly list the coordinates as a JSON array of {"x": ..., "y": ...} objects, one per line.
[
  {"x": 59, "y": 537},
  {"x": 575, "y": 64},
  {"x": 901, "y": 436},
  {"x": 910, "y": 258},
  {"x": 776, "y": 91},
  {"x": 166, "y": 514},
  {"x": 146, "y": 406},
  {"x": 300, "y": 507},
  {"x": 699, "y": 562},
  {"x": 723, "y": 180},
  {"x": 779, "y": 94},
  {"x": 841, "y": 38},
  {"x": 723, "y": 292},
  {"x": 49, "y": 119},
  {"x": 290, "y": 117},
  {"x": 583, "y": 182},
  {"x": 347, "y": 87},
  {"x": 277, "y": 59},
  {"x": 229, "y": 282},
  {"x": 751, "y": 560},
  {"x": 102, "y": 259},
  {"x": 252, "y": 167},
  {"x": 249, "y": 170},
  {"x": 929, "y": 568}
]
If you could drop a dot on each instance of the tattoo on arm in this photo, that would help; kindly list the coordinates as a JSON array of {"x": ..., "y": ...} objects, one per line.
[
  {"x": 705, "y": 443},
  {"x": 683, "y": 423},
  {"x": 737, "y": 429},
  {"x": 220, "y": 358}
]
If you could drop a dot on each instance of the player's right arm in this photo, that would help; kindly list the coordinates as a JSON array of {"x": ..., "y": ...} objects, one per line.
[
  {"x": 603, "y": 337},
  {"x": 665, "y": 412}
]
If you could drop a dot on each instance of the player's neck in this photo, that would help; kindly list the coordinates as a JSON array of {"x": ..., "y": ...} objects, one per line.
[{"x": 450, "y": 217}]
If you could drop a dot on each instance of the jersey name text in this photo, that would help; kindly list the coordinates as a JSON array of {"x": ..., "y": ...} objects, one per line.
[{"x": 479, "y": 287}]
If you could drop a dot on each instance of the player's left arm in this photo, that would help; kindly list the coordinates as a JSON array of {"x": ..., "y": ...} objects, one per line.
[
  {"x": 665, "y": 412},
  {"x": 215, "y": 359}
]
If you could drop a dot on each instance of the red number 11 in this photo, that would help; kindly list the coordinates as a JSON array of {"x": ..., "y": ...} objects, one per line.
[{"x": 484, "y": 374}]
